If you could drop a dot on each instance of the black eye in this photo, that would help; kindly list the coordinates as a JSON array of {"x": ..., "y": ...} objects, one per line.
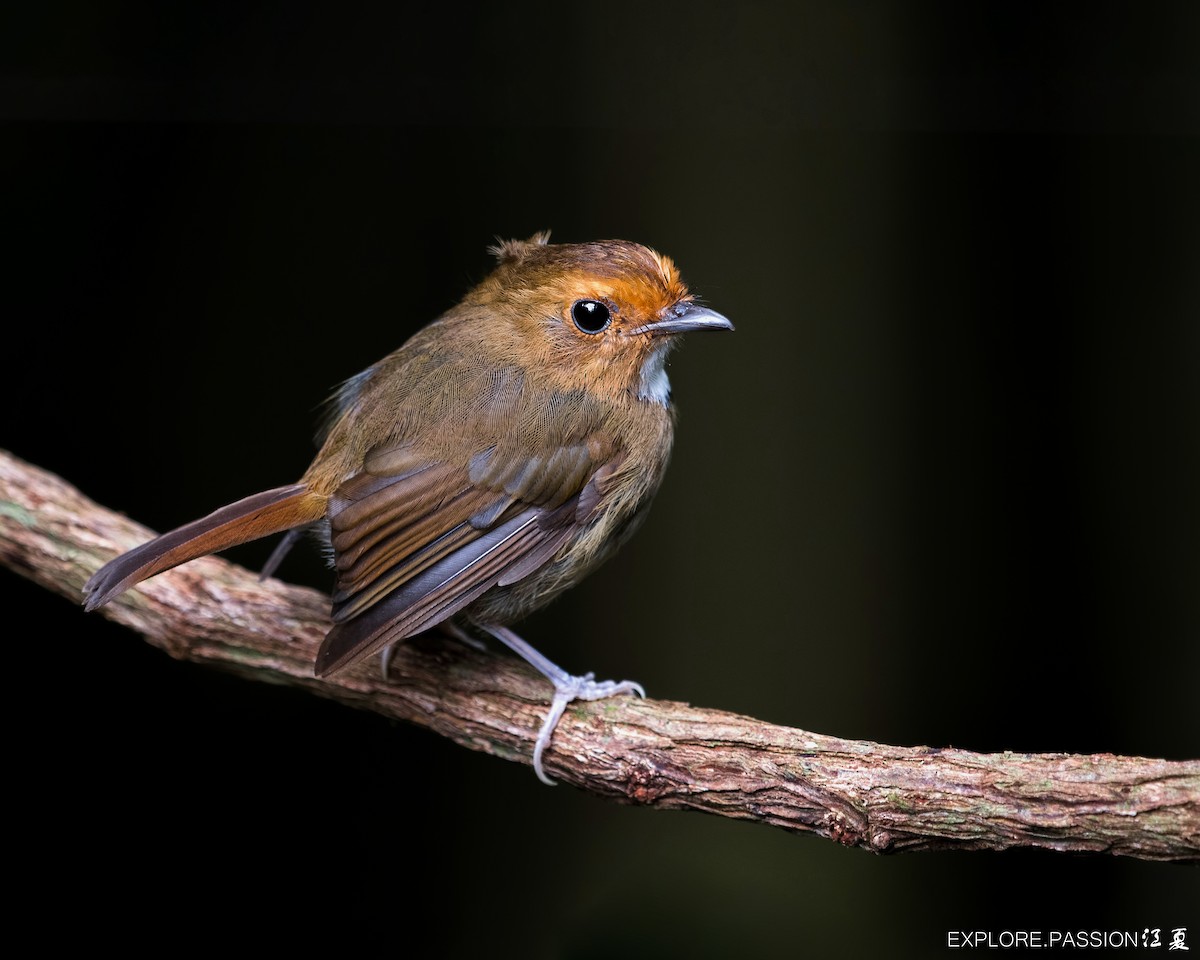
[{"x": 590, "y": 316}]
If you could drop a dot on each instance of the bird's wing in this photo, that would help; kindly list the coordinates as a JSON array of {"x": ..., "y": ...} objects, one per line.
[{"x": 416, "y": 539}]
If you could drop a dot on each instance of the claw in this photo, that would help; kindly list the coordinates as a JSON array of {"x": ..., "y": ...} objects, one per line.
[{"x": 567, "y": 687}]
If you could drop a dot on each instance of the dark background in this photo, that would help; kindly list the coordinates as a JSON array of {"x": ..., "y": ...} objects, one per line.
[{"x": 938, "y": 488}]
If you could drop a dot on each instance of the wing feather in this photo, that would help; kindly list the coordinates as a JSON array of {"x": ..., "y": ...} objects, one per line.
[
  {"x": 437, "y": 592},
  {"x": 416, "y": 540}
]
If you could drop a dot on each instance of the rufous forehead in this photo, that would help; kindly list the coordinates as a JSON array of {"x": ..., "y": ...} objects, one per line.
[
  {"x": 644, "y": 294},
  {"x": 629, "y": 275},
  {"x": 627, "y": 272}
]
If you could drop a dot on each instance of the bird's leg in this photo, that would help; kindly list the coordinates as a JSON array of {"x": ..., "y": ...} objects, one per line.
[
  {"x": 447, "y": 627},
  {"x": 280, "y": 551},
  {"x": 566, "y": 688},
  {"x": 385, "y": 659},
  {"x": 452, "y": 629}
]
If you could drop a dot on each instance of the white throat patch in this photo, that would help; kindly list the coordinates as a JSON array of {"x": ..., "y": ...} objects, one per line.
[{"x": 654, "y": 384}]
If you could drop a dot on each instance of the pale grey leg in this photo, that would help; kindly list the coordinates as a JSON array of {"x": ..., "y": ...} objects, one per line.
[
  {"x": 280, "y": 551},
  {"x": 447, "y": 627},
  {"x": 567, "y": 687}
]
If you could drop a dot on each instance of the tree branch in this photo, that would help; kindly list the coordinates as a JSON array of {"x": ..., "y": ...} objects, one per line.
[{"x": 651, "y": 752}]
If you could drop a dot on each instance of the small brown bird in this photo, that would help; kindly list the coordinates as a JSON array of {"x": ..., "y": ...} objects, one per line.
[{"x": 484, "y": 467}]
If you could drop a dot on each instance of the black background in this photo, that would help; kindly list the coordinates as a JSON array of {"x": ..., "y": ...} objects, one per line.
[{"x": 939, "y": 487}]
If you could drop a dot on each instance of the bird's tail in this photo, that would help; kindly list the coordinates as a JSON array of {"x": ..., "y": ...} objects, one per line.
[{"x": 272, "y": 511}]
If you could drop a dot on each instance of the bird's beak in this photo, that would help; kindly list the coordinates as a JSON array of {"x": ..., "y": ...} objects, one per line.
[{"x": 683, "y": 318}]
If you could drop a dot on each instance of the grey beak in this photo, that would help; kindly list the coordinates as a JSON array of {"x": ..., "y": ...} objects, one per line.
[{"x": 685, "y": 317}]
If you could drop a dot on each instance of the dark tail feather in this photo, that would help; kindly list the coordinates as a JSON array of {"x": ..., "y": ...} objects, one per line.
[{"x": 261, "y": 515}]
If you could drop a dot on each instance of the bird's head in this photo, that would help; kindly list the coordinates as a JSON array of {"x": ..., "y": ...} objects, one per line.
[{"x": 599, "y": 316}]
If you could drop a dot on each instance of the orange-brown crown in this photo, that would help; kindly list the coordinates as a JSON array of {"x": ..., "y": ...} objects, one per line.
[{"x": 536, "y": 285}]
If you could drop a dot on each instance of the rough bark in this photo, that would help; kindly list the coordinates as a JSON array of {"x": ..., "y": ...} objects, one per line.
[{"x": 660, "y": 753}]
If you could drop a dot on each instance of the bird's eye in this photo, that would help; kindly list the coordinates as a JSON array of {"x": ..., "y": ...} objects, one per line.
[{"x": 590, "y": 316}]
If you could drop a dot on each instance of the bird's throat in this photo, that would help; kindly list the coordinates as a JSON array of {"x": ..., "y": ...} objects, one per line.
[{"x": 653, "y": 385}]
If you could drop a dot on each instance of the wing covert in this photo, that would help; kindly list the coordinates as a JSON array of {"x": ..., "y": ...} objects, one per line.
[{"x": 417, "y": 539}]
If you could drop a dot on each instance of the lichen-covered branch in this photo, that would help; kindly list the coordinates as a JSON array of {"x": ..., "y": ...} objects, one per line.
[{"x": 653, "y": 752}]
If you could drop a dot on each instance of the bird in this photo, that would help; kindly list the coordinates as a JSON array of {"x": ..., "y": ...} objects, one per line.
[{"x": 488, "y": 464}]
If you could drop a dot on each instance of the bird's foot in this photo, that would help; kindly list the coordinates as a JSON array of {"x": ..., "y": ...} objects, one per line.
[{"x": 567, "y": 687}]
